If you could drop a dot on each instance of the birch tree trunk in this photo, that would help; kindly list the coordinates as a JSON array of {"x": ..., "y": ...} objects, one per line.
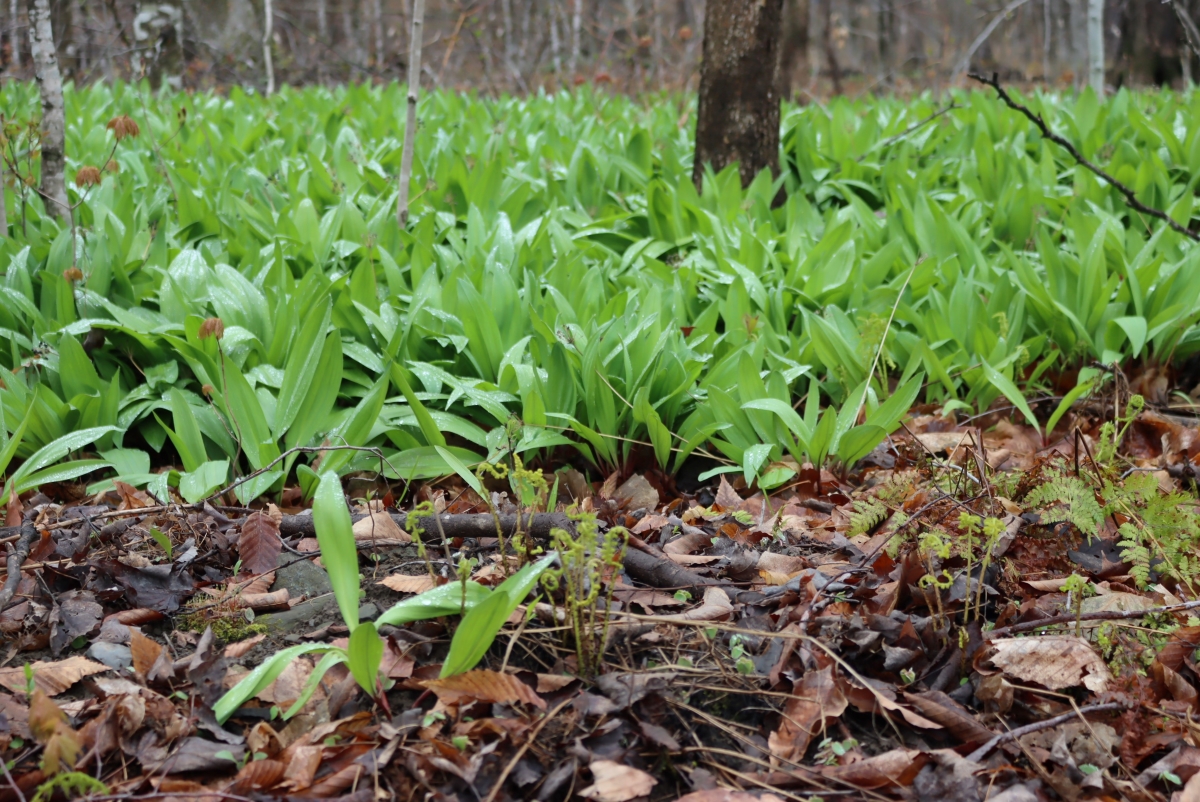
[
  {"x": 576, "y": 31},
  {"x": 410, "y": 124},
  {"x": 1095, "y": 40},
  {"x": 555, "y": 45},
  {"x": 323, "y": 35},
  {"x": 49, "y": 81},
  {"x": 887, "y": 13},
  {"x": 13, "y": 38},
  {"x": 268, "y": 26},
  {"x": 738, "y": 115}
]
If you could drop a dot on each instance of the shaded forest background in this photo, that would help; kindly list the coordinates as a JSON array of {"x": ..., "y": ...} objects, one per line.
[{"x": 831, "y": 46}]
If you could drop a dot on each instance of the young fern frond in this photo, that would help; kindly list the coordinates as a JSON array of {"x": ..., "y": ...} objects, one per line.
[
  {"x": 1068, "y": 498},
  {"x": 868, "y": 514}
]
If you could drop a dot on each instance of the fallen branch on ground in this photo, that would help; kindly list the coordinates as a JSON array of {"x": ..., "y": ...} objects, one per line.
[{"x": 16, "y": 559}]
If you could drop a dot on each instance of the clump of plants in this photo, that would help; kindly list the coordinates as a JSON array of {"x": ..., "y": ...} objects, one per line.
[{"x": 580, "y": 580}]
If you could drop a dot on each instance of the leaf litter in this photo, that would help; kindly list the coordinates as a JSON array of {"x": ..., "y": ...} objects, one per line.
[{"x": 977, "y": 615}]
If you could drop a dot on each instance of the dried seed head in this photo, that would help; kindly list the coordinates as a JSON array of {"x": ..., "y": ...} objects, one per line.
[
  {"x": 685, "y": 33},
  {"x": 645, "y": 42},
  {"x": 73, "y": 274},
  {"x": 207, "y": 389},
  {"x": 88, "y": 176},
  {"x": 212, "y": 327},
  {"x": 112, "y": 166},
  {"x": 122, "y": 127}
]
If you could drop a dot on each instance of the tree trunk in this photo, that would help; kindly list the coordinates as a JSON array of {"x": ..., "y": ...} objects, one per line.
[
  {"x": 268, "y": 64},
  {"x": 576, "y": 34},
  {"x": 13, "y": 38},
  {"x": 49, "y": 80},
  {"x": 1095, "y": 39},
  {"x": 377, "y": 14},
  {"x": 410, "y": 124},
  {"x": 1047, "y": 39},
  {"x": 835, "y": 72},
  {"x": 738, "y": 115},
  {"x": 555, "y": 46},
  {"x": 887, "y": 14},
  {"x": 323, "y": 36}
]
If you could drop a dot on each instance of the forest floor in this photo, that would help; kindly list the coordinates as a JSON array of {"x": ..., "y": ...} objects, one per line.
[{"x": 974, "y": 613}]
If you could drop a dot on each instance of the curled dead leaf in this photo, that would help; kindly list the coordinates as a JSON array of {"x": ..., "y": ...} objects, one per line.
[
  {"x": 402, "y": 583},
  {"x": 484, "y": 686},
  {"x": 616, "y": 782},
  {"x": 379, "y": 529},
  {"x": 52, "y": 678},
  {"x": 1052, "y": 661}
]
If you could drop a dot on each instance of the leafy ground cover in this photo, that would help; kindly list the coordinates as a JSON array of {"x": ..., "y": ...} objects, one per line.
[{"x": 834, "y": 447}]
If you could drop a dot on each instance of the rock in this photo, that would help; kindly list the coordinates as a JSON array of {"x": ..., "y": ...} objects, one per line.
[
  {"x": 304, "y": 614},
  {"x": 301, "y": 578},
  {"x": 113, "y": 655},
  {"x": 368, "y": 612}
]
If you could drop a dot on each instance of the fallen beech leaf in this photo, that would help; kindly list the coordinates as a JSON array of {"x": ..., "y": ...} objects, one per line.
[
  {"x": 259, "y": 544},
  {"x": 77, "y": 613},
  {"x": 815, "y": 702},
  {"x": 939, "y": 707},
  {"x": 401, "y": 583},
  {"x": 257, "y": 775},
  {"x": 149, "y": 661},
  {"x": 49, "y": 727},
  {"x": 303, "y": 762},
  {"x": 615, "y": 782},
  {"x": 1053, "y": 661},
  {"x": 380, "y": 529},
  {"x": 239, "y": 649},
  {"x": 781, "y": 563},
  {"x": 898, "y": 767},
  {"x": 484, "y": 686},
  {"x": 726, "y": 496},
  {"x": 947, "y": 442},
  {"x": 716, "y": 605},
  {"x": 136, "y": 616},
  {"x": 686, "y": 544},
  {"x": 53, "y": 678},
  {"x": 549, "y": 683}
]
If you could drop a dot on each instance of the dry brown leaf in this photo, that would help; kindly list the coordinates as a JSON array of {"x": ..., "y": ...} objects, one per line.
[
  {"x": 726, "y": 496},
  {"x": 235, "y": 650},
  {"x": 1191, "y": 791},
  {"x": 257, "y": 775},
  {"x": 147, "y": 656},
  {"x": 693, "y": 559},
  {"x": 49, "y": 727},
  {"x": 259, "y": 544},
  {"x": 265, "y": 602},
  {"x": 815, "y": 702},
  {"x": 1052, "y": 661},
  {"x": 616, "y": 782},
  {"x": 898, "y": 767},
  {"x": 303, "y": 762},
  {"x": 484, "y": 686},
  {"x": 14, "y": 511},
  {"x": 549, "y": 683},
  {"x": 781, "y": 563},
  {"x": 947, "y": 442},
  {"x": 380, "y": 529},
  {"x": 716, "y": 605},
  {"x": 288, "y": 685},
  {"x": 52, "y": 678},
  {"x": 686, "y": 544},
  {"x": 402, "y": 583}
]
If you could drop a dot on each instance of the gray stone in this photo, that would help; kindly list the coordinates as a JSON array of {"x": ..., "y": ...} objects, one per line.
[
  {"x": 303, "y": 614},
  {"x": 301, "y": 578},
  {"x": 368, "y": 612},
  {"x": 113, "y": 655}
]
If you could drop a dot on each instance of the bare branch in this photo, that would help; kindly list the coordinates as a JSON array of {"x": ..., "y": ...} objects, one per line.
[{"x": 1130, "y": 198}]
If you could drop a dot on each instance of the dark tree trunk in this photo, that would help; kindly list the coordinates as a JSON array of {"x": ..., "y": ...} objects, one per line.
[{"x": 738, "y": 117}]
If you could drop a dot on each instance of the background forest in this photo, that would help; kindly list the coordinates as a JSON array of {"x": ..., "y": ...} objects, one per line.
[{"x": 519, "y": 45}]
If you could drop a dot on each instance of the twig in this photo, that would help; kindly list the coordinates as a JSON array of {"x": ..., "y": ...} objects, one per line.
[
  {"x": 15, "y": 559},
  {"x": 982, "y": 752},
  {"x": 520, "y": 753},
  {"x": 1130, "y": 198},
  {"x": 1103, "y": 615},
  {"x": 891, "y": 140},
  {"x": 1189, "y": 26},
  {"x": 965, "y": 61}
]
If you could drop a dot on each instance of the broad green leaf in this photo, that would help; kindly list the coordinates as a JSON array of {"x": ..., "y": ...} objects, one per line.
[
  {"x": 339, "y": 553},
  {"x": 363, "y": 655},
  {"x": 1010, "y": 391},
  {"x": 263, "y": 675}
]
